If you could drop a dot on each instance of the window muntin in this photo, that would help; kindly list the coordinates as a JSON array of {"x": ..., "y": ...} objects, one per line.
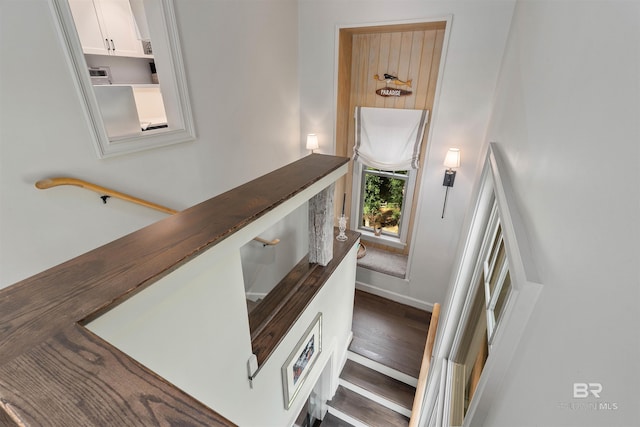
[{"x": 497, "y": 282}]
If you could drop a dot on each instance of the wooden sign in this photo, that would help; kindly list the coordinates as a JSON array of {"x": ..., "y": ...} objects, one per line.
[{"x": 390, "y": 91}]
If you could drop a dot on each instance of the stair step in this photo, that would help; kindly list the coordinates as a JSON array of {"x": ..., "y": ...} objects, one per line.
[
  {"x": 331, "y": 420},
  {"x": 379, "y": 367},
  {"x": 365, "y": 410},
  {"x": 379, "y": 384}
]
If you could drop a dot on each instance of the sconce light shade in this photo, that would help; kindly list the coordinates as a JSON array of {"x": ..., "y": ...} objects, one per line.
[
  {"x": 452, "y": 159},
  {"x": 312, "y": 142}
]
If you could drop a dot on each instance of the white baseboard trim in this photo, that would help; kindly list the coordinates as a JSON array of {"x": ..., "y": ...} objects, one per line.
[
  {"x": 255, "y": 296},
  {"x": 345, "y": 353},
  {"x": 338, "y": 360},
  {"x": 344, "y": 417},
  {"x": 393, "y": 296},
  {"x": 376, "y": 398},
  {"x": 390, "y": 372}
]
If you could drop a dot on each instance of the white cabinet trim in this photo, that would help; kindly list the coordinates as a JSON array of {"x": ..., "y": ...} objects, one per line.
[{"x": 171, "y": 68}]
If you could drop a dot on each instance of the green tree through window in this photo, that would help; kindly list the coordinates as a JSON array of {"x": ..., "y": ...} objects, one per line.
[{"x": 383, "y": 198}]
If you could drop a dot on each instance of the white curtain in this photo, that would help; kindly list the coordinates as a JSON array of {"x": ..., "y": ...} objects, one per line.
[{"x": 389, "y": 138}]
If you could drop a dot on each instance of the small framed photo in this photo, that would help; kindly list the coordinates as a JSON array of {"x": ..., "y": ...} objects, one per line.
[{"x": 301, "y": 360}]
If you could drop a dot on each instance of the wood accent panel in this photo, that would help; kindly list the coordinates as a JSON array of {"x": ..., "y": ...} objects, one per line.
[
  {"x": 342, "y": 122},
  {"x": 379, "y": 384},
  {"x": 408, "y": 51},
  {"x": 283, "y": 305},
  {"x": 369, "y": 412},
  {"x": 414, "y": 26},
  {"x": 388, "y": 332},
  {"x": 52, "y": 369}
]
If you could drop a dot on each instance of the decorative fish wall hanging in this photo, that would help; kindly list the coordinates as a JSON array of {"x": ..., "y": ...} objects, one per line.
[
  {"x": 392, "y": 79},
  {"x": 392, "y": 91}
]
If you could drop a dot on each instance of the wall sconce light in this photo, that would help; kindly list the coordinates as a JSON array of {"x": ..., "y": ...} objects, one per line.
[
  {"x": 312, "y": 142},
  {"x": 451, "y": 160}
]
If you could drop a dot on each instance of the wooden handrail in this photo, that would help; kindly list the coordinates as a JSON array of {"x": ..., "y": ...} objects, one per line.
[
  {"x": 267, "y": 242},
  {"x": 43, "y": 340},
  {"x": 54, "y": 182},
  {"x": 44, "y": 184},
  {"x": 424, "y": 368}
]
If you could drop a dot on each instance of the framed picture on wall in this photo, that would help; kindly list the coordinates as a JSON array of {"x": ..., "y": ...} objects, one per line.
[{"x": 301, "y": 360}]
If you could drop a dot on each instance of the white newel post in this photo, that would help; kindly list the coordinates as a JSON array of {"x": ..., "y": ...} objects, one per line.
[{"x": 321, "y": 226}]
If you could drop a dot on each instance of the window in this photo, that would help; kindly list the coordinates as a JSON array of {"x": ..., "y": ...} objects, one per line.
[
  {"x": 491, "y": 290},
  {"x": 496, "y": 278},
  {"x": 113, "y": 112},
  {"x": 494, "y": 293},
  {"x": 384, "y": 200}
]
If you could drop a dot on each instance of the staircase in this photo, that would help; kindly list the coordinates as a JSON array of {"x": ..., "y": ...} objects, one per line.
[
  {"x": 367, "y": 397},
  {"x": 377, "y": 386}
]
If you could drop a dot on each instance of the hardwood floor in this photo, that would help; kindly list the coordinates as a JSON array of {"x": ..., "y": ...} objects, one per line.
[
  {"x": 333, "y": 421},
  {"x": 373, "y": 381},
  {"x": 393, "y": 335},
  {"x": 389, "y": 333},
  {"x": 370, "y": 413}
]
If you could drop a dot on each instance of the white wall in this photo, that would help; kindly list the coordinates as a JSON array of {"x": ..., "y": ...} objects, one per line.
[
  {"x": 208, "y": 292},
  {"x": 567, "y": 122},
  {"x": 241, "y": 64},
  {"x": 264, "y": 266},
  {"x": 477, "y": 40}
]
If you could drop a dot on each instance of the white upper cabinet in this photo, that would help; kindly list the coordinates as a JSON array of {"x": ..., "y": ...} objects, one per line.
[
  {"x": 106, "y": 27},
  {"x": 88, "y": 26}
]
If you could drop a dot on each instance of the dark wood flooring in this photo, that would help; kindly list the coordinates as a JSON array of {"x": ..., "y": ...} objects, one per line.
[
  {"x": 393, "y": 335},
  {"x": 379, "y": 384},
  {"x": 369, "y": 412},
  {"x": 388, "y": 332},
  {"x": 332, "y": 421}
]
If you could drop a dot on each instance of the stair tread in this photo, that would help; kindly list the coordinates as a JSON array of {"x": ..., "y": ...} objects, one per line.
[
  {"x": 389, "y": 333},
  {"x": 367, "y": 411},
  {"x": 379, "y": 384},
  {"x": 333, "y": 421}
]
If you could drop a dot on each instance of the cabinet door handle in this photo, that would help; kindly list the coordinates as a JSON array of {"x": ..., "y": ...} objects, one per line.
[
  {"x": 113, "y": 46},
  {"x": 106, "y": 42}
]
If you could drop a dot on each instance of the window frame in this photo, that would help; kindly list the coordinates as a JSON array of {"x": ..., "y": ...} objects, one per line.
[
  {"x": 357, "y": 201},
  {"x": 493, "y": 243},
  {"x": 494, "y": 189},
  {"x": 170, "y": 66}
]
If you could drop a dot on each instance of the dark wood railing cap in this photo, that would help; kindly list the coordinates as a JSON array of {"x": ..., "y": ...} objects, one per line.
[{"x": 53, "y": 371}]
